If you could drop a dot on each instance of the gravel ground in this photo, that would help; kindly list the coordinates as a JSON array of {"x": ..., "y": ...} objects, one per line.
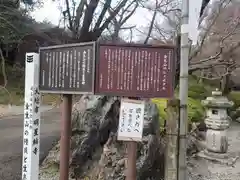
[
  {"x": 202, "y": 169},
  {"x": 11, "y": 150}
]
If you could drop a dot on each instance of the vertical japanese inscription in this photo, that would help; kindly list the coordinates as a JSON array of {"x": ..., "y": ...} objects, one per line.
[
  {"x": 26, "y": 136},
  {"x": 53, "y": 61},
  {"x": 67, "y": 69},
  {"x": 74, "y": 68},
  {"x": 108, "y": 56},
  {"x": 141, "y": 71},
  {"x": 131, "y": 120},
  {"x": 60, "y": 70},
  {"x": 31, "y": 131},
  {"x": 64, "y": 69},
  {"x": 35, "y": 122},
  {"x": 70, "y": 69}
]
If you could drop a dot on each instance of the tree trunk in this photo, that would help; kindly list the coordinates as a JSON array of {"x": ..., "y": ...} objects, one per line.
[{"x": 226, "y": 84}]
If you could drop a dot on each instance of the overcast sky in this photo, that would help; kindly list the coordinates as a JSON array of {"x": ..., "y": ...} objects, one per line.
[{"x": 51, "y": 12}]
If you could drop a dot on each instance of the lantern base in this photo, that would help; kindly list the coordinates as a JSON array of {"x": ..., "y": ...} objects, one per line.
[
  {"x": 216, "y": 155},
  {"x": 226, "y": 158},
  {"x": 217, "y": 141}
]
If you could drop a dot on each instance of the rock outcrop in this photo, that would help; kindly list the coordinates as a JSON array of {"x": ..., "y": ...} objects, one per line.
[{"x": 96, "y": 154}]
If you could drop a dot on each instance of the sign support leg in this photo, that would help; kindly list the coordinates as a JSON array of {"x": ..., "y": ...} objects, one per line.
[
  {"x": 131, "y": 157},
  {"x": 65, "y": 136},
  {"x": 131, "y": 160}
]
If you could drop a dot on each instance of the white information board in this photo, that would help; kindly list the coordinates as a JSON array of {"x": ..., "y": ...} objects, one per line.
[
  {"x": 131, "y": 120},
  {"x": 31, "y": 132}
]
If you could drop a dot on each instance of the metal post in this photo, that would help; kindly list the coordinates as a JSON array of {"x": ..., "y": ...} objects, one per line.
[
  {"x": 172, "y": 130},
  {"x": 183, "y": 94},
  {"x": 131, "y": 157},
  {"x": 65, "y": 136},
  {"x": 131, "y": 160}
]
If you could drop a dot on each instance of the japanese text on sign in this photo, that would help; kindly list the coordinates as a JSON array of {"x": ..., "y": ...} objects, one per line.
[
  {"x": 67, "y": 68},
  {"x": 31, "y": 129},
  {"x": 135, "y": 71},
  {"x": 131, "y": 119},
  {"x": 30, "y": 161}
]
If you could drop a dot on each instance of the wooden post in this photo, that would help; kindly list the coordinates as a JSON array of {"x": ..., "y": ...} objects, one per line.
[
  {"x": 131, "y": 160},
  {"x": 31, "y": 134},
  {"x": 172, "y": 132},
  {"x": 131, "y": 121},
  {"x": 65, "y": 141}
]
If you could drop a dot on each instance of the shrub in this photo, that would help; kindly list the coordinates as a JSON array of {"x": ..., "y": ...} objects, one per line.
[
  {"x": 195, "y": 110},
  {"x": 196, "y": 92}
]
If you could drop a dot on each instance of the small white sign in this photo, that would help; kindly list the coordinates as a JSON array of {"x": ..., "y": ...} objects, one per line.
[
  {"x": 31, "y": 131},
  {"x": 131, "y": 120}
]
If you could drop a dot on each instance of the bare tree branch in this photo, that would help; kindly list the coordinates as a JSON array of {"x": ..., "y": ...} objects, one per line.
[
  {"x": 111, "y": 17},
  {"x": 106, "y": 6},
  {"x": 214, "y": 17},
  {"x": 220, "y": 58},
  {"x": 79, "y": 14},
  {"x": 124, "y": 15},
  {"x": 123, "y": 19},
  {"x": 88, "y": 16},
  {"x": 163, "y": 8},
  {"x": 151, "y": 25},
  {"x": 69, "y": 14}
]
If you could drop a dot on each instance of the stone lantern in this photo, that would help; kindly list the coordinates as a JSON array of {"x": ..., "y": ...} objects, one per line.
[{"x": 217, "y": 122}]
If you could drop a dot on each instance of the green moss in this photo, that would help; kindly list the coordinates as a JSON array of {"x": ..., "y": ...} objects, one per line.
[
  {"x": 161, "y": 104},
  {"x": 235, "y": 97},
  {"x": 14, "y": 92},
  {"x": 51, "y": 170},
  {"x": 196, "y": 92},
  {"x": 13, "y": 96},
  {"x": 195, "y": 110}
]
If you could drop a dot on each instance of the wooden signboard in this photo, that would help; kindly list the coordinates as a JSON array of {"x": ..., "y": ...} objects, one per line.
[
  {"x": 135, "y": 70},
  {"x": 67, "y": 69}
]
